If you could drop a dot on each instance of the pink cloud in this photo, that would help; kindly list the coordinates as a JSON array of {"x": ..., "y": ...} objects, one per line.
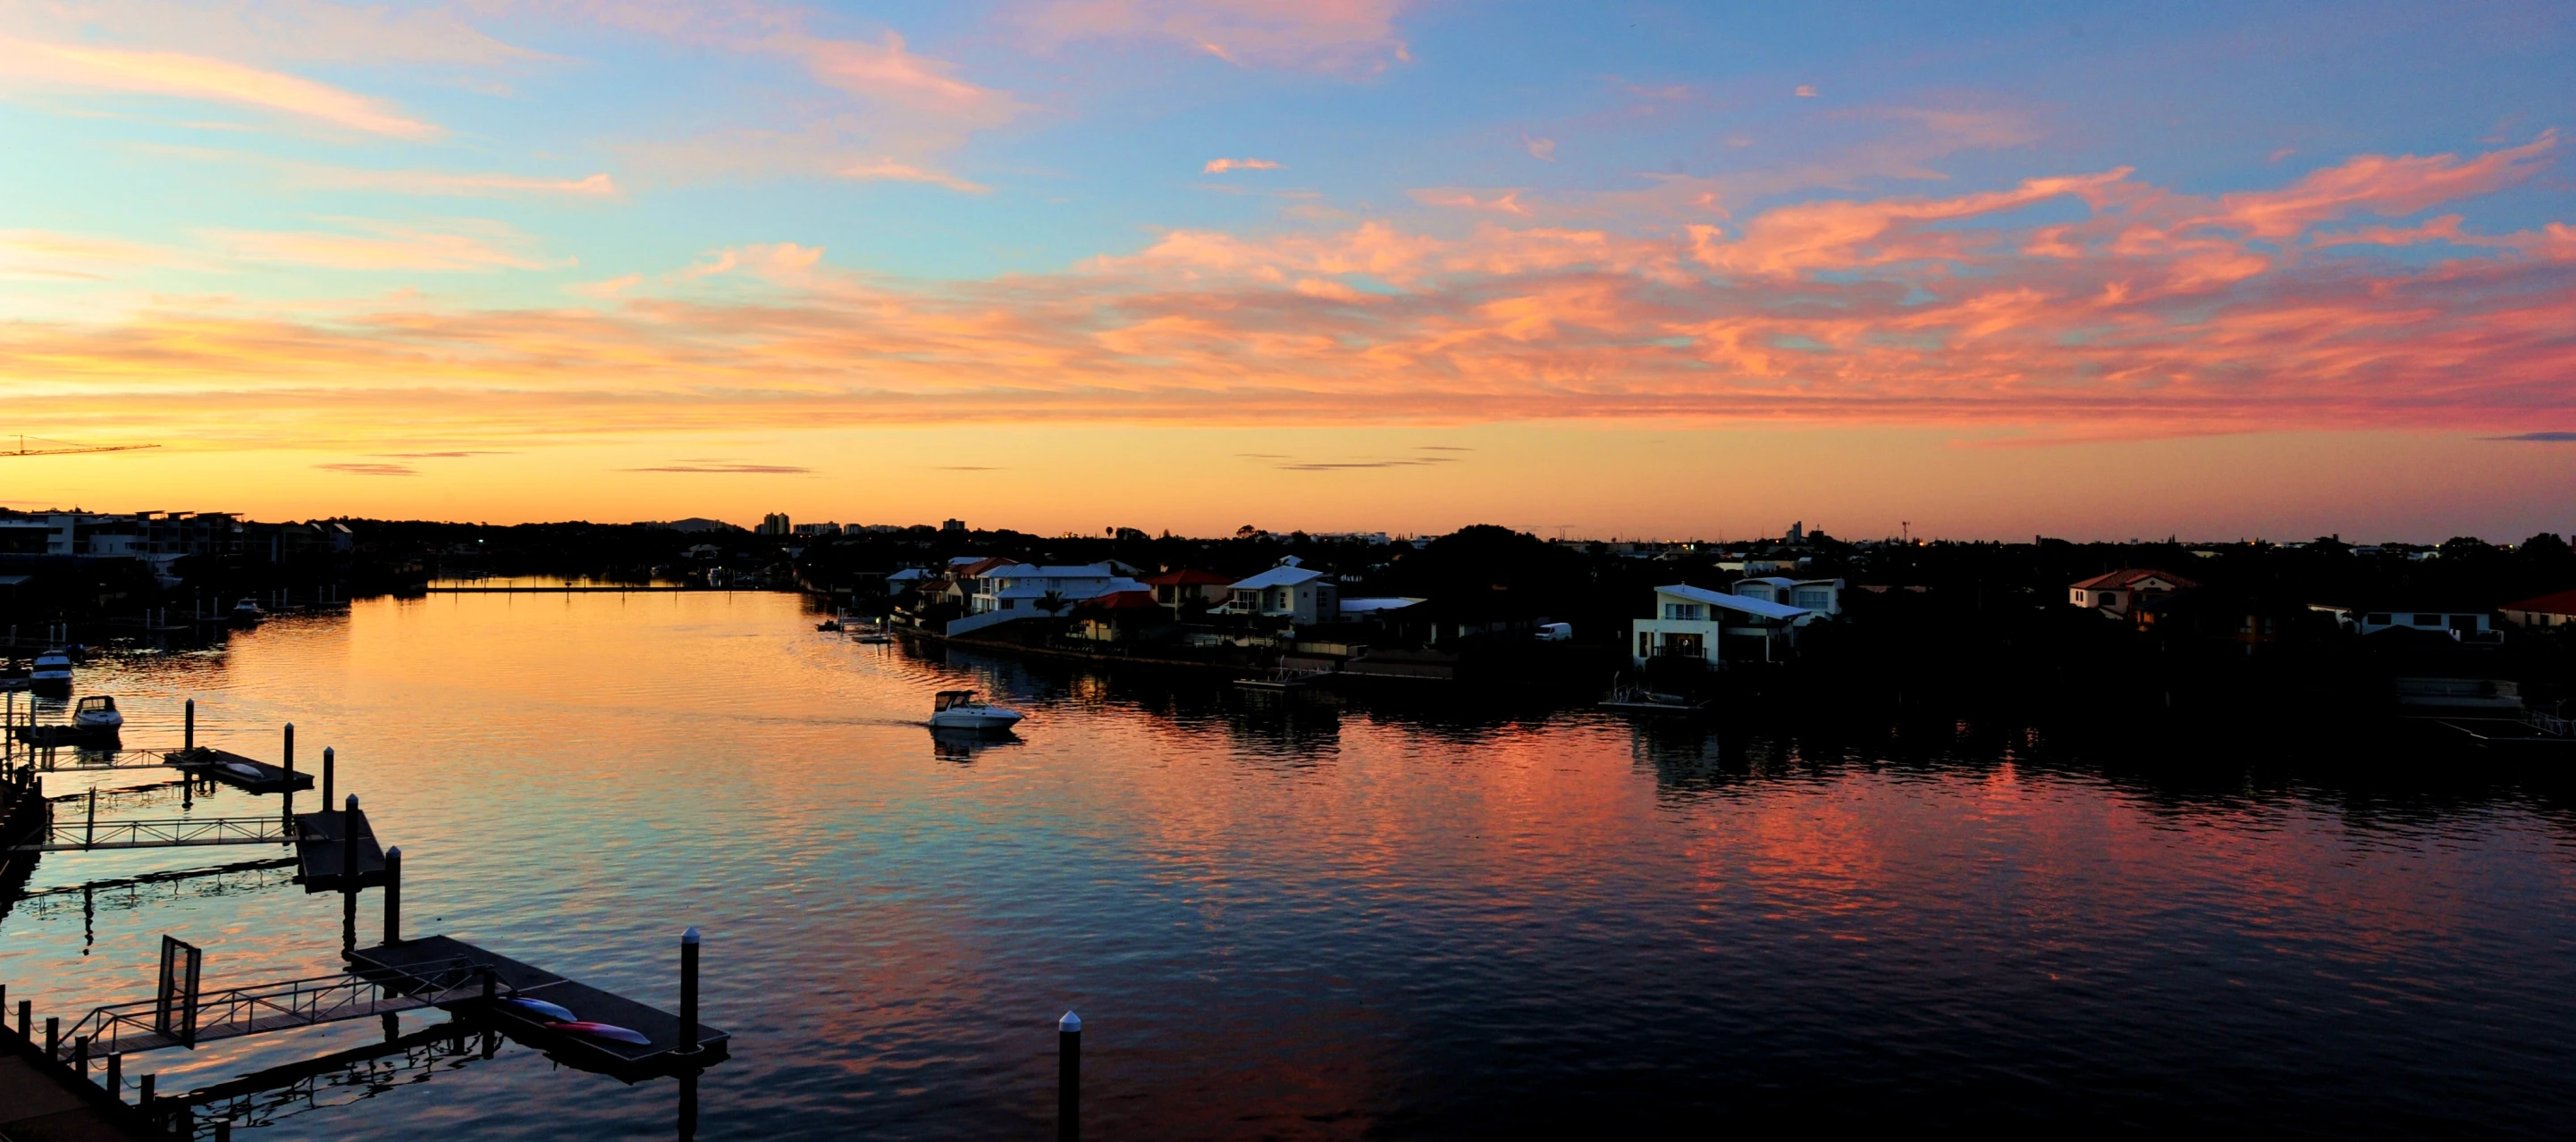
[
  {"x": 184, "y": 76},
  {"x": 2379, "y": 185},
  {"x": 1325, "y": 35},
  {"x": 2117, "y": 311},
  {"x": 1220, "y": 166}
]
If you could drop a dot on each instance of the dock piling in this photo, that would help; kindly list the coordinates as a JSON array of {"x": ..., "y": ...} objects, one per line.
[
  {"x": 393, "y": 896},
  {"x": 330, "y": 757},
  {"x": 80, "y": 1055},
  {"x": 89, "y": 832},
  {"x": 349, "y": 875},
  {"x": 143, "y": 1090},
  {"x": 688, "y": 992},
  {"x": 188, "y": 731},
  {"x": 116, "y": 1075},
  {"x": 26, "y": 1015},
  {"x": 53, "y": 1035},
  {"x": 1068, "y": 1078},
  {"x": 290, "y": 753}
]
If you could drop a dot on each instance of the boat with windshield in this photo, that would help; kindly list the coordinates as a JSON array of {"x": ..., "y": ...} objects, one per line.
[{"x": 958, "y": 710}]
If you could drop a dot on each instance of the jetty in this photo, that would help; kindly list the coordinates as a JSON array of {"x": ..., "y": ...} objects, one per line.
[{"x": 47, "y": 1088}]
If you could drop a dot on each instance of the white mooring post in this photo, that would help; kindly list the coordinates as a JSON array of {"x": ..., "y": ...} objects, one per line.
[{"x": 1068, "y": 1078}]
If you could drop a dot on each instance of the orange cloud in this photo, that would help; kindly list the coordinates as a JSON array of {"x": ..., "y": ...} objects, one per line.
[
  {"x": 2133, "y": 319},
  {"x": 27, "y": 62},
  {"x": 1220, "y": 166},
  {"x": 447, "y": 184},
  {"x": 2380, "y": 185}
]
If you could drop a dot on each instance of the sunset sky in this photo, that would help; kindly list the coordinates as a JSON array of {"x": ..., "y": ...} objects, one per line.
[{"x": 1988, "y": 269}]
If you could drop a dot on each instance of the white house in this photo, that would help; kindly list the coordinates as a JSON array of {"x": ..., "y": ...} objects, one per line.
[
  {"x": 1823, "y": 596},
  {"x": 2471, "y": 625},
  {"x": 1289, "y": 591},
  {"x": 1027, "y": 586},
  {"x": 1695, "y": 622}
]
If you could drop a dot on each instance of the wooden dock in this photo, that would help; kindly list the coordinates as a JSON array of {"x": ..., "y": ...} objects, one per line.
[
  {"x": 246, "y": 774},
  {"x": 43, "y": 1099},
  {"x": 321, "y": 845},
  {"x": 670, "y": 1048}
]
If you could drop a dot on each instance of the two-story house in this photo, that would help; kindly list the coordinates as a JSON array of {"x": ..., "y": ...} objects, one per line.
[
  {"x": 1695, "y": 622},
  {"x": 1290, "y": 591}
]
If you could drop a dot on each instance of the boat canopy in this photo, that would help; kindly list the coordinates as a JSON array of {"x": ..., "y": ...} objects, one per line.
[
  {"x": 950, "y": 698},
  {"x": 97, "y": 702}
]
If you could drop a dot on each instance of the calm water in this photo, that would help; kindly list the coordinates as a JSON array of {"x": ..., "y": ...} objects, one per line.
[{"x": 1323, "y": 920}]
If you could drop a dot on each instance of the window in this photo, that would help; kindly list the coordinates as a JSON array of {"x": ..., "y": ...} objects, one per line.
[
  {"x": 2428, "y": 620},
  {"x": 1814, "y": 598},
  {"x": 2377, "y": 620},
  {"x": 1682, "y": 612},
  {"x": 2109, "y": 598}
]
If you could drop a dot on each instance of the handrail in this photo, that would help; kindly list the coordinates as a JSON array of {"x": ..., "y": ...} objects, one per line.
[
  {"x": 137, "y": 1026},
  {"x": 77, "y": 835}
]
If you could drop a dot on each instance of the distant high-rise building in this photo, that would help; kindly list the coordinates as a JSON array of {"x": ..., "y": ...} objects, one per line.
[
  {"x": 956, "y": 525},
  {"x": 775, "y": 523}
]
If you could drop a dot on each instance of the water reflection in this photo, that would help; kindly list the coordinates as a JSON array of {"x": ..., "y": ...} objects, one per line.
[{"x": 1345, "y": 915}]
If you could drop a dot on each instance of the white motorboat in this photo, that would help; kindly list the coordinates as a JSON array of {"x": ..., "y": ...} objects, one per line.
[
  {"x": 248, "y": 610},
  {"x": 958, "y": 710},
  {"x": 53, "y": 669},
  {"x": 98, "y": 712}
]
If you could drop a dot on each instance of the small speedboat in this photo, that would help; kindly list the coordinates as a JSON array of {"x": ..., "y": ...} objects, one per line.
[
  {"x": 828, "y": 624},
  {"x": 248, "y": 610},
  {"x": 98, "y": 713},
  {"x": 958, "y": 710}
]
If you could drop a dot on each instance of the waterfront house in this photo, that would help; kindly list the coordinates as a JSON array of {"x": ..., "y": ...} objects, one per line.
[
  {"x": 1183, "y": 588},
  {"x": 1290, "y": 590},
  {"x": 1118, "y": 616},
  {"x": 1052, "y": 590},
  {"x": 1822, "y": 596},
  {"x": 2462, "y": 623},
  {"x": 2546, "y": 611},
  {"x": 2115, "y": 593},
  {"x": 1713, "y": 626}
]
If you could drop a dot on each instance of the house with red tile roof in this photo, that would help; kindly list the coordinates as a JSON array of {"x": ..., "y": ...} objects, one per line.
[
  {"x": 2118, "y": 591},
  {"x": 1179, "y": 587},
  {"x": 2552, "y": 610}
]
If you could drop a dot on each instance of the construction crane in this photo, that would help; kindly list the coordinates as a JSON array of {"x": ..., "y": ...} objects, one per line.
[{"x": 64, "y": 447}]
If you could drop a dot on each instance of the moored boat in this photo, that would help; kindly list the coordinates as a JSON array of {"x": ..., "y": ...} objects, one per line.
[
  {"x": 98, "y": 713},
  {"x": 52, "y": 670}
]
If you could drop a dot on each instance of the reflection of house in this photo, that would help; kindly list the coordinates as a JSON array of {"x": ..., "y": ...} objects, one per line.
[
  {"x": 1823, "y": 596},
  {"x": 1698, "y": 623},
  {"x": 1178, "y": 589},
  {"x": 2120, "y": 590},
  {"x": 2546, "y": 611},
  {"x": 1288, "y": 591},
  {"x": 2460, "y": 623}
]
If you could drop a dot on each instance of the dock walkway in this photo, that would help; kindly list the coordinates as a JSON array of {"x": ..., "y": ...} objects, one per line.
[
  {"x": 669, "y": 1048},
  {"x": 45, "y": 1101}
]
